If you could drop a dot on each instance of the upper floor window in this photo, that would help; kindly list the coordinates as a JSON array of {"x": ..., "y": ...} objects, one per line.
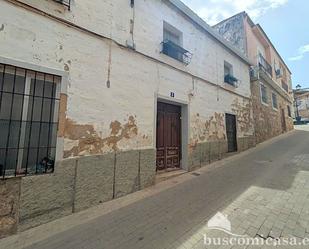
[
  {"x": 29, "y": 103},
  {"x": 274, "y": 100},
  {"x": 264, "y": 95},
  {"x": 172, "y": 44},
  {"x": 229, "y": 75}
]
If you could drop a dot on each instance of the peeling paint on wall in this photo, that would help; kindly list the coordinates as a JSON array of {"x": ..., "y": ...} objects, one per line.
[
  {"x": 242, "y": 110},
  {"x": 212, "y": 129},
  {"x": 83, "y": 139},
  {"x": 91, "y": 110}
]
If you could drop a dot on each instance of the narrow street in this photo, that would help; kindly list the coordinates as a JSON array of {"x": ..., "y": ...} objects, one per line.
[{"x": 264, "y": 192}]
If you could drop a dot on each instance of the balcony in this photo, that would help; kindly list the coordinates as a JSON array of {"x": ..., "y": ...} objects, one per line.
[
  {"x": 231, "y": 80},
  {"x": 265, "y": 66},
  {"x": 176, "y": 52},
  {"x": 64, "y": 2}
]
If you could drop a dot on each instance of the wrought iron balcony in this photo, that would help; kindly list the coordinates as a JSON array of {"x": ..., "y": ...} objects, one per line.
[
  {"x": 175, "y": 51},
  {"x": 230, "y": 79},
  {"x": 64, "y": 2},
  {"x": 265, "y": 66}
]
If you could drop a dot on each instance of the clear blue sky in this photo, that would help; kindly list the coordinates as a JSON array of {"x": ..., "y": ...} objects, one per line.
[{"x": 286, "y": 23}]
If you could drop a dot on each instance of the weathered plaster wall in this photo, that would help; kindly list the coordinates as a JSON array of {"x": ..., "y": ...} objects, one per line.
[
  {"x": 208, "y": 140},
  {"x": 109, "y": 110},
  {"x": 101, "y": 119},
  {"x": 208, "y": 115},
  {"x": 77, "y": 184},
  {"x": 9, "y": 204},
  {"x": 208, "y": 55}
]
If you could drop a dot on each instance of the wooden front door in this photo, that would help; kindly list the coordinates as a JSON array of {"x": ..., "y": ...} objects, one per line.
[
  {"x": 283, "y": 123},
  {"x": 231, "y": 132},
  {"x": 168, "y": 136}
]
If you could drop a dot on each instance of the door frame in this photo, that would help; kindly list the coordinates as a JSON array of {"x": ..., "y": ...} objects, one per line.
[
  {"x": 184, "y": 125},
  {"x": 236, "y": 130}
]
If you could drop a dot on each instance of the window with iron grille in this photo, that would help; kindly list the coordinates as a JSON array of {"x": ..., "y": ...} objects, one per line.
[
  {"x": 274, "y": 100},
  {"x": 29, "y": 104},
  {"x": 264, "y": 95}
]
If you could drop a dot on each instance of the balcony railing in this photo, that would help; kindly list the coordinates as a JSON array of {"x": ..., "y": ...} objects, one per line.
[
  {"x": 177, "y": 52},
  {"x": 231, "y": 80},
  {"x": 265, "y": 66},
  {"x": 64, "y": 2}
]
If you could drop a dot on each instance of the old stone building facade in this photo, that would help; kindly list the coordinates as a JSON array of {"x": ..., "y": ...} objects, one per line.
[
  {"x": 103, "y": 94},
  {"x": 271, "y": 86}
]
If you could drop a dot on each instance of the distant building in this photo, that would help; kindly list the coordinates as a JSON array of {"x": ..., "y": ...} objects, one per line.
[
  {"x": 271, "y": 86},
  {"x": 301, "y": 104}
]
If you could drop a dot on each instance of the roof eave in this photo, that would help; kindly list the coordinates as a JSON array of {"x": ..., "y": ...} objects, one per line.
[{"x": 199, "y": 21}]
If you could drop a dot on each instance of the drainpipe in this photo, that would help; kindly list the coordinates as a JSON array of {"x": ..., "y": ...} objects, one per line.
[{"x": 131, "y": 43}]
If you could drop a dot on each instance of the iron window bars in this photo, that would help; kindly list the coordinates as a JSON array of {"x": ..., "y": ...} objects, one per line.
[
  {"x": 265, "y": 66},
  {"x": 29, "y": 105},
  {"x": 175, "y": 51},
  {"x": 65, "y": 2}
]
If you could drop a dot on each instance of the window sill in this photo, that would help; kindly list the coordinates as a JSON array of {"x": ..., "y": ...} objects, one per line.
[{"x": 266, "y": 104}]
